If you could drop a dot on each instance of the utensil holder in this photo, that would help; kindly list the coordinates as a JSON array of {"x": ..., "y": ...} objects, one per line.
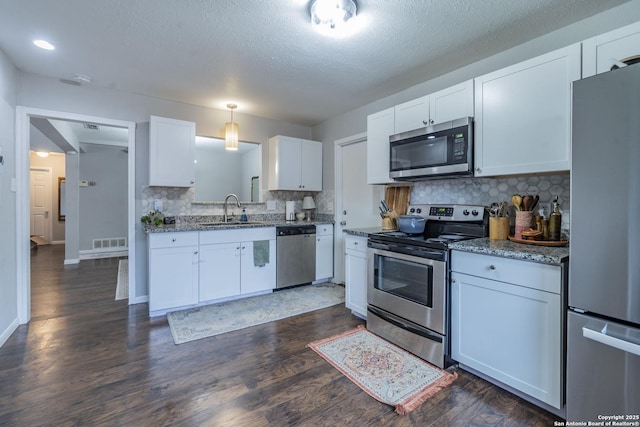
[
  {"x": 498, "y": 227},
  {"x": 524, "y": 221}
]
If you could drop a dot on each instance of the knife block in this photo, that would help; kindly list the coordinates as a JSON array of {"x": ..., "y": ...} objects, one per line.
[{"x": 390, "y": 221}]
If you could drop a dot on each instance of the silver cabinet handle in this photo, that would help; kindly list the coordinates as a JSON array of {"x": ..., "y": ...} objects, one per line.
[
  {"x": 425, "y": 122},
  {"x": 602, "y": 337},
  {"x": 343, "y": 222},
  {"x": 492, "y": 267},
  {"x": 173, "y": 240}
]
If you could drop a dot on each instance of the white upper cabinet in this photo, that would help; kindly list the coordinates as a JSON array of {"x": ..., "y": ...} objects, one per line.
[
  {"x": 379, "y": 127},
  {"x": 600, "y": 53},
  {"x": 448, "y": 104},
  {"x": 523, "y": 115},
  {"x": 171, "y": 152},
  {"x": 295, "y": 164}
]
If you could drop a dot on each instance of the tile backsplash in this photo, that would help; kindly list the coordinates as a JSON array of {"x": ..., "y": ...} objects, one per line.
[{"x": 480, "y": 191}]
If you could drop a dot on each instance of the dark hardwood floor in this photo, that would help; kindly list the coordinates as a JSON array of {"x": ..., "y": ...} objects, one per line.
[{"x": 85, "y": 359}]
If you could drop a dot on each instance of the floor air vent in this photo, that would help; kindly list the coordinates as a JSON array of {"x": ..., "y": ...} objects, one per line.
[{"x": 110, "y": 243}]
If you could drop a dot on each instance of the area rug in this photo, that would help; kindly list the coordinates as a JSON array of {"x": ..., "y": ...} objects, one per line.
[
  {"x": 209, "y": 320},
  {"x": 386, "y": 372},
  {"x": 122, "y": 286}
]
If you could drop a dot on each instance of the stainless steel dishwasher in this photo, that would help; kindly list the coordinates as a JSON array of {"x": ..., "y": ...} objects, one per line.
[{"x": 295, "y": 255}]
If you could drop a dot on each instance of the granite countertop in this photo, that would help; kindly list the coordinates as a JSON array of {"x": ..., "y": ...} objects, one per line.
[
  {"x": 198, "y": 226},
  {"x": 363, "y": 232},
  {"x": 509, "y": 249}
]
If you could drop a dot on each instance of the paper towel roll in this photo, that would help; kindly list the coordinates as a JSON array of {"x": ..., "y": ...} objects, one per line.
[{"x": 290, "y": 211}]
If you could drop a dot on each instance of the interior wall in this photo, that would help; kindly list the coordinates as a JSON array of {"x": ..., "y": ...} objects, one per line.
[
  {"x": 8, "y": 225},
  {"x": 56, "y": 162},
  {"x": 103, "y": 212}
]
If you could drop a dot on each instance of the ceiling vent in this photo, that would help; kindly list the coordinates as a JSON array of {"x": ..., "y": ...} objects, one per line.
[{"x": 91, "y": 126}]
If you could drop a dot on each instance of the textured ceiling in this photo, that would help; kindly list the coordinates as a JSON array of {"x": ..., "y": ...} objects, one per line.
[{"x": 263, "y": 54}]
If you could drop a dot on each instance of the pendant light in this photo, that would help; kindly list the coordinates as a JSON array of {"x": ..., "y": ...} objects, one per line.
[{"x": 231, "y": 131}]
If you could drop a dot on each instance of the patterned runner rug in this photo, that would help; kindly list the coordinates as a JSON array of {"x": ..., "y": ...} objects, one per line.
[
  {"x": 386, "y": 372},
  {"x": 205, "y": 321}
]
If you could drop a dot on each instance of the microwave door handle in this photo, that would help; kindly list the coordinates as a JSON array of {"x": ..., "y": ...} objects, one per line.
[{"x": 602, "y": 337}]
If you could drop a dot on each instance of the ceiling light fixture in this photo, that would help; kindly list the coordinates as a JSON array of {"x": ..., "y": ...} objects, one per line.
[
  {"x": 42, "y": 154},
  {"x": 231, "y": 131},
  {"x": 328, "y": 15},
  {"x": 43, "y": 44}
]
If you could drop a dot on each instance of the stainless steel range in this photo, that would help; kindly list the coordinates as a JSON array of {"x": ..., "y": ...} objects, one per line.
[{"x": 407, "y": 292}]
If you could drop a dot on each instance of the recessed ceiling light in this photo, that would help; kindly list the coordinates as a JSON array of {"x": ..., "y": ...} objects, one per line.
[
  {"x": 43, "y": 44},
  {"x": 82, "y": 78}
]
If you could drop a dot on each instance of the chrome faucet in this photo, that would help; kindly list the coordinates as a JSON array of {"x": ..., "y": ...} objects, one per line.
[{"x": 225, "y": 204}]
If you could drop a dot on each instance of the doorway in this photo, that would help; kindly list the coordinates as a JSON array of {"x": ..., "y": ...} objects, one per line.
[
  {"x": 356, "y": 201},
  {"x": 23, "y": 120},
  {"x": 40, "y": 191}
]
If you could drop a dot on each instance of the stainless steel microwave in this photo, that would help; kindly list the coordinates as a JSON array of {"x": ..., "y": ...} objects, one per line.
[{"x": 441, "y": 150}]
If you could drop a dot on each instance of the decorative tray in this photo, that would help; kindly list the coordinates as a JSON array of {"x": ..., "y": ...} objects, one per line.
[{"x": 540, "y": 242}]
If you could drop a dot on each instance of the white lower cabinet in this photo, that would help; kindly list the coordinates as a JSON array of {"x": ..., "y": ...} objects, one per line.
[
  {"x": 355, "y": 274},
  {"x": 235, "y": 262},
  {"x": 324, "y": 251},
  {"x": 219, "y": 271},
  {"x": 173, "y": 270},
  {"x": 506, "y": 322},
  {"x": 189, "y": 268}
]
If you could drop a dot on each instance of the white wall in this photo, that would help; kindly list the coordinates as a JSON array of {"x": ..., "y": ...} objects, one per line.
[
  {"x": 103, "y": 212},
  {"x": 355, "y": 121},
  {"x": 8, "y": 267}
]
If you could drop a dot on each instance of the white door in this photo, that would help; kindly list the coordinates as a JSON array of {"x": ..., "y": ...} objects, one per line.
[
  {"x": 356, "y": 201},
  {"x": 40, "y": 199}
]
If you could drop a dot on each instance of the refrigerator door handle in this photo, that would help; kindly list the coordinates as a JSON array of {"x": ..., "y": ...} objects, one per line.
[{"x": 602, "y": 337}]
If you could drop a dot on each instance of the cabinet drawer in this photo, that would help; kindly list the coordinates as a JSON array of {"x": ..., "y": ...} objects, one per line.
[
  {"x": 532, "y": 275},
  {"x": 355, "y": 243},
  {"x": 173, "y": 239},
  {"x": 237, "y": 235},
  {"x": 324, "y": 229}
]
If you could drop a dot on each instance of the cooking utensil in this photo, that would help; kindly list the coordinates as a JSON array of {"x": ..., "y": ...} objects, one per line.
[
  {"x": 536, "y": 199},
  {"x": 516, "y": 199},
  {"x": 527, "y": 202},
  {"x": 385, "y": 206},
  {"x": 412, "y": 224}
]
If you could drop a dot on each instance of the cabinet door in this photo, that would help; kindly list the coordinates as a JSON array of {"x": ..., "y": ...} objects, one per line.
[
  {"x": 412, "y": 115},
  {"x": 324, "y": 256},
  {"x": 523, "y": 115},
  {"x": 379, "y": 127},
  {"x": 601, "y": 52},
  {"x": 219, "y": 271},
  {"x": 256, "y": 277},
  {"x": 311, "y": 165},
  {"x": 510, "y": 333},
  {"x": 285, "y": 168},
  {"x": 173, "y": 277},
  {"x": 355, "y": 274},
  {"x": 171, "y": 152},
  {"x": 451, "y": 103}
]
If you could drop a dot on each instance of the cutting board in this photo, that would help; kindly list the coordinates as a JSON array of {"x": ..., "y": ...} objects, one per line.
[{"x": 398, "y": 198}]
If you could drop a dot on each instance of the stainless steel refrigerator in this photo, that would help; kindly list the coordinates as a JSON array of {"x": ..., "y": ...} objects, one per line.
[{"x": 603, "y": 326}]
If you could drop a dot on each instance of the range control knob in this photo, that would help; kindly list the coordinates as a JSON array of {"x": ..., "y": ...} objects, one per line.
[
  {"x": 419, "y": 210},
  {"x": 474, "y": 212},
  {"x": 412, "y": 210},
  {"x": 465, "y": 212}
]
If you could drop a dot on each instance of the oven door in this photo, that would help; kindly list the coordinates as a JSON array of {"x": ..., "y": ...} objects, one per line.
[{"x": 408, "y": 286}]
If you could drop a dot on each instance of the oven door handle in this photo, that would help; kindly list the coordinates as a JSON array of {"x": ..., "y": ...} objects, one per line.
[{"x": 400, "y": 324}]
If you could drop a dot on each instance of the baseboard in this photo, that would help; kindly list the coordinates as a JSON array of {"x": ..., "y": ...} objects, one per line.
[
  {"x": 91, "y": 254},
  {"x": 71, "y": 261},
  {"x": 7, "y": 332},
  {"x": 139, "y": 300}
]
